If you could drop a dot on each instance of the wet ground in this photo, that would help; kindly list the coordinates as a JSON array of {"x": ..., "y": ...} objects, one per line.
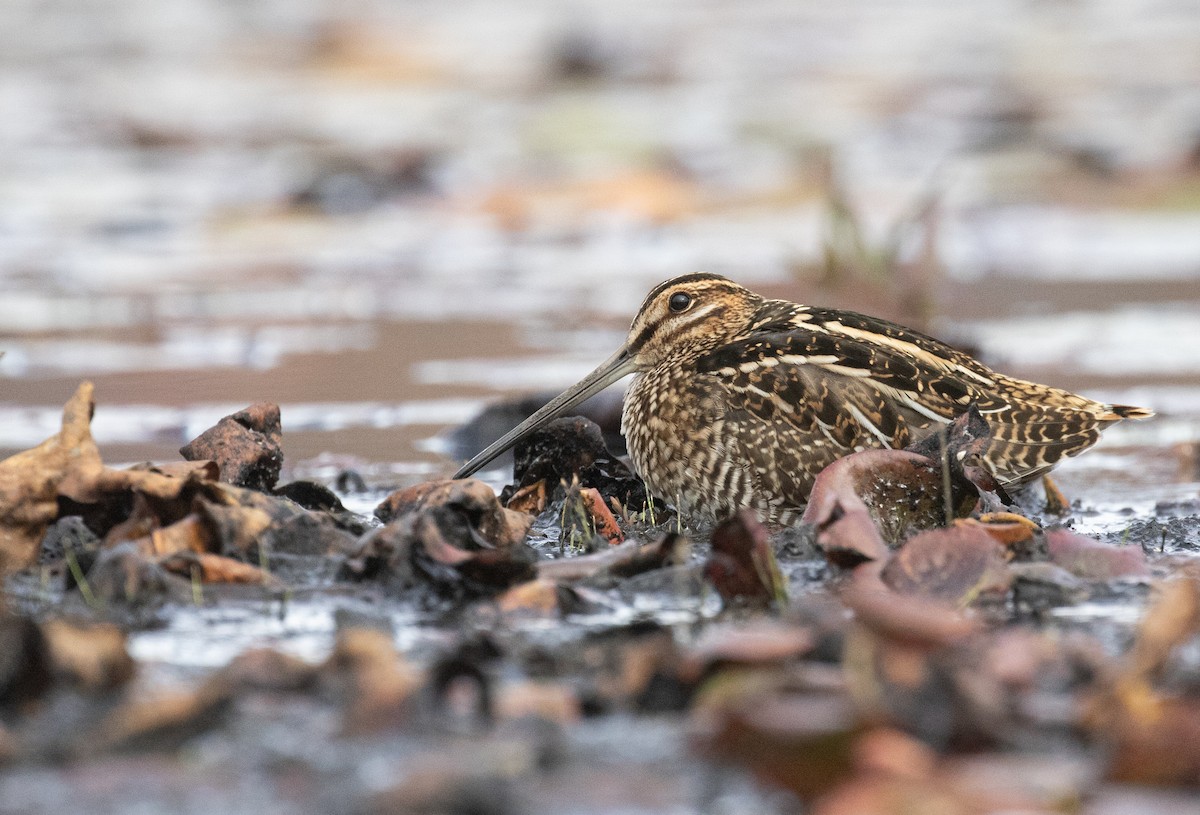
[{"x": 384, "y": 218}]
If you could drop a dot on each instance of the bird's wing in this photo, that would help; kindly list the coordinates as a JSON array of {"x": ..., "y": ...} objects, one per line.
[
  {"x": 851, "y": 366},
  {"x": 786, "y": 415}
]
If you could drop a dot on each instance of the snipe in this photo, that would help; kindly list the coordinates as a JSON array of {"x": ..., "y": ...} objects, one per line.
[{"x": 739, "y": 401}]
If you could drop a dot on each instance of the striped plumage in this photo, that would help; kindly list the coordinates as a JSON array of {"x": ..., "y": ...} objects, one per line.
[{"x": 740, "y": 401}]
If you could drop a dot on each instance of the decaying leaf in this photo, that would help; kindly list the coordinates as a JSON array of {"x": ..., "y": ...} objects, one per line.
[
  {"x": 91, "y": 656},
  {"x": 624, "y": 560},
  {"x": 1092, "y": 560},
  {"x": 789, "y": 737},
  {"x": 30, "y": 481},
  {"x": 375, "y": 685},
  {"x": 742, "y": 562},
  {"x": 956, "y": 564},
  {"x": 602, "y": 518},
  {"x": 1155, "y": 734},
  {"x": 160, "y": 722},
  {"x": 469, "y": 499},
  {"x": 210, "y": 568}
]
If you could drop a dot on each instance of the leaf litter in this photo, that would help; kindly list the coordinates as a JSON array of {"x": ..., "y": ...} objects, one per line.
[{"x": 882, "y": 657}]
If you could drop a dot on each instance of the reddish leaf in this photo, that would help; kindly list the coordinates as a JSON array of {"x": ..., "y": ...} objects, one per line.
[
  {"x": 742, "y": 561},
  {"x": 955, "y": 564},
  {"x": 1092, "y": 560}
]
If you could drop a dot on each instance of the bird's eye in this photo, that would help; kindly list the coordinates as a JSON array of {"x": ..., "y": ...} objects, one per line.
[{"x": 680, "y": 301}]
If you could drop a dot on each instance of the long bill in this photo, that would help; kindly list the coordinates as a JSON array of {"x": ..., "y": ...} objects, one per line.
[{"x": 616, "y": 367}]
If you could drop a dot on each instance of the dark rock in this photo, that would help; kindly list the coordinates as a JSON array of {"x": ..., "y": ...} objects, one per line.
[
  {"x": 497, "y": 419},
  {"x": 307, "y": 534},
  {"x": 69, "y": 534},
  {"x": 25, "y": 671},
  {"x": 123, "y": 578},
  {"x": 310, "y": 495},
  {"x": 569, "y": 447},
  {"x": 246, "y": 446},
  {"x": 452, "y": 537}
]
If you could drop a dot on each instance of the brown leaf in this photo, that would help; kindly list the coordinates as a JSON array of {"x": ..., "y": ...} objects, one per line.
[
  {"x": 30, "y": 482},
  {"x": 190, "y": 534},
  {"x": 549, "y": 701},
  {"x": 956, "y": 564},
  {"x": 800, "y": 741},
  {"x": 760, "y": 643},
  {"x": 436, "y": 548},
  {"x": 91, "y": 656},
  {"x": 371, "y": 679},
  {"x": 623, "y": 560},
  {"x": 539, "y": 597},
  {"x": 1092, "y": 560},
  {"x": 161, "y": 722},
  {"x": 234, "y": 529},
  {"x": 846, "y": 532},
  {"x": 742, "y": 562},
  {"x": 1015, "y": 532},
  {"x": 900, "y": 490},
  {"x": 908, "y": 619},
  {"x": 210, "y": 568},
  {"x": 530, "y": 499},
  {"x": 268, "y": 669},
  {"x": 470, "y": 497},
  {"x": 1162, "y": 747}
]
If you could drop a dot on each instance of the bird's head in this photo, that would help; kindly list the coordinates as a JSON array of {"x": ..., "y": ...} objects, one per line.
[
  {"x": 683, "y": 317},
  {"x": 687, "y": 316}
]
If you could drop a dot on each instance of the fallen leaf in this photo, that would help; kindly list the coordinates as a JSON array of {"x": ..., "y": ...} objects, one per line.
[
  {"x": 956, "y": 564},
  {"x": 161, "y": 722},
  {"x": 373, "y": 682},
  {"x": 908, "y": 619},
  {"x": 210, "y": 568},
  {"x": 800, "y": 741},
  {"x": 539, "y": 597},
  {"x": 757, "y": 644},
  {"x": 546, "y": 700},
  {"x": 30, "y": 481},
  {"x": 901, "y": 492},
  {"x": 1015, "y": 532},
  {"x": 530, "y": 499},
  {"x": 742, "y": 562},
  {"x": 1092, "y": 560},
  {"x": 469, "y": 499},
  {"x": 624, "y": 560},
  {"x": 91, "y": 656}
]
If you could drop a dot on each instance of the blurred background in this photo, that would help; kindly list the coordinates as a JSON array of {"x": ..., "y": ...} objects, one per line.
[{"x": 383, "y": 215}]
